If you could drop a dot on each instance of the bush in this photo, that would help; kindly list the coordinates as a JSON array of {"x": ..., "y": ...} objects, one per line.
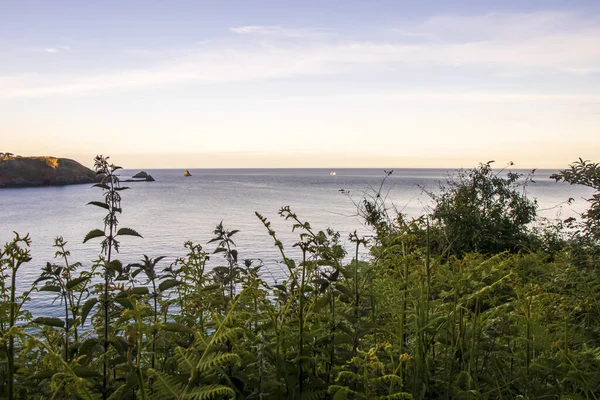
[
  {"x": 482, "y": 210},
  {"x": 584, "y": 172}
]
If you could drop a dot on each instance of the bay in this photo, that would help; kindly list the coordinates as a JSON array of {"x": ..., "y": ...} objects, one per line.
[{"x": 175, "y": 209}]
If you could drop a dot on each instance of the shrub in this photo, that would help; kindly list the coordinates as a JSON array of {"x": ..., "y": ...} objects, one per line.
[
  {"x": 584, "y": 172},
  {"x": 482, "y": 210}
]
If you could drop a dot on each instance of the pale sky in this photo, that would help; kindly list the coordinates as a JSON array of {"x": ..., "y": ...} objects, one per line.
[{"x": 310, "y": 83}]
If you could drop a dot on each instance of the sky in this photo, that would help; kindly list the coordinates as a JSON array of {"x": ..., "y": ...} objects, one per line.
[{"x": 199, "y": 84}]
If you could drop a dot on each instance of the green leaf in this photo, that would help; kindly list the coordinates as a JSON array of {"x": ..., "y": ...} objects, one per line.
[
  {"x": 87, "y": 307},
  {"x": 88, "y": 346},
  {"x": 344, "y": 290},
  {"x": 138, "y": 291},
  {"x": 99, "y": 204},
  {"x": 84, "y": 372},
  {"x": 168, "y": 284},
  {"x": 119, "y": 344},
  {"x": 124, "y": 302},
  {"x": 93, "y": 234},
  {"x": 342, "y": 393},
  {"x": 115, "y": 266},
  {"x": 44, "y": 375},
  {"x": 127, "y": 232},
  {"x": 74, "y": 282},
  {"x": 118, "y": 360},
  {"x": 321, "y": 303},
  {"x": 175, "y": 327},
  {"x": 50, "y": 321},
  {"x": 50, "y": 288},
  {"x": 343, "y": 338}
]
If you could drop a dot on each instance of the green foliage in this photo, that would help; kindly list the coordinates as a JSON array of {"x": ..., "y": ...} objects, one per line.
[
  {"x": 421, "y": 318},
  {"x": 482, "y": 210},
  {"x": 57, "y": 322},
  {"x": 587, "y": 173},
  {"x": 13, "y": 256}
]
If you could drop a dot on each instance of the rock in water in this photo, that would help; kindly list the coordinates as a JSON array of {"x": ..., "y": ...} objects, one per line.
[
  {"x": 142, "y": 175},
  {"x": 149, "y": 178},
  {"x": 17, "y": 171},
  {"x": 186, "y": 173}
]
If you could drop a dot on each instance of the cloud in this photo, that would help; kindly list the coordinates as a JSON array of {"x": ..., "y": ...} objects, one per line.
[
  {"x": 487, "y": 97},
  {"x": 505, "y": 44},
  {"x": 57, "y": 49},
  {"x": 142, "y": 52},
  {"x": 256, "y": 29},
  {"x": 501, "y": 25},
  {"x": 276, "y": 30}
]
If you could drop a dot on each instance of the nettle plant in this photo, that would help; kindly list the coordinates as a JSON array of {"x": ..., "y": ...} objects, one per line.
[
  {"x": 112, "y": 269},
  {"x": 12, "y": 257}
]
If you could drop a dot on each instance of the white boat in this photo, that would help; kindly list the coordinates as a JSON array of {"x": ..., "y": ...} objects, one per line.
[{"x": 333, "y": 173}]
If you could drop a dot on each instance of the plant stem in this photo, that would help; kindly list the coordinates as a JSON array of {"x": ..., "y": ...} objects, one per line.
[
  {"x": 11, "y": 339},
  {"x": 301, "y": 325}
]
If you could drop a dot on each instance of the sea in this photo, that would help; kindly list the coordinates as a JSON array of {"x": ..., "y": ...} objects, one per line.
[{"x": 175, "y": 209}]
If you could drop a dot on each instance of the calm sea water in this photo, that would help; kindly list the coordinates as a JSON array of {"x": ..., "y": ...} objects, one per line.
[{"x": 175, "y": 209}]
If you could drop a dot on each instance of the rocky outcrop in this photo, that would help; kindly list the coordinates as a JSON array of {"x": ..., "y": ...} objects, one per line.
[
  {"x": 186, "y": 173},
  {"x": 17, "y": 171},
  {"x": 146, "y": 178},
  {"x": 141, "y": 175}
]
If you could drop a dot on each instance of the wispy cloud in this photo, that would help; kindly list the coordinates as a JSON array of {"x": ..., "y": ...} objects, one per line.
[
  {"x": 57, "y": 49},
  {"x": 509, "y": 44},
  {"x": 142, "y": 52},
  {"x": 276, "y": 30},
  {"x": 577, "y": 99},
  {"x": 257, "y": 29}
]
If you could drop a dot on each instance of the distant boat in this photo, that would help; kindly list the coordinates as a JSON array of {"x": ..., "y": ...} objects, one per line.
[
  {"x": 186, "y": 173},
  {"x": 333, "y": 173}
]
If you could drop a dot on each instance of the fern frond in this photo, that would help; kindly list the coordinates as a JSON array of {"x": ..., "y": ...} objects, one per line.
[
  {"x": 387, "y": 379},
  {"x": 218, "y": 360},
  {"x": 118, "y": 394},
  {"x": 84, "y": 392},
  {"x": 187, "y": 359},
  {"x": 395, "y": 396},
  {"x": 209, "y": 392},
  {"x": 341, "y": 392},
  {"x": 349, "y": 376},
  {"x": 226, "y": 334},
  {"x": 165, "y": 386}
]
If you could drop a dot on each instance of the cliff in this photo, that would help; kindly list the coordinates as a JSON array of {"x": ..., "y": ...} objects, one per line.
[{"x": 17, "y": 171}]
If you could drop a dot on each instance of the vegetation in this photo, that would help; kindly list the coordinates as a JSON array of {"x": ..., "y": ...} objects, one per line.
[
  {"x": 465, "y": 303},
  {"x": 586, "y": 173},
  {"x": 482, "y": 210}
]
